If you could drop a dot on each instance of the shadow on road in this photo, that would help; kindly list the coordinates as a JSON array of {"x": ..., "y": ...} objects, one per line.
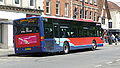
[{"x": 50, "y": 54}]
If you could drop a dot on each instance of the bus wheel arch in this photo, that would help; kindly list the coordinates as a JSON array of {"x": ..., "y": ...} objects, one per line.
[
  {"x": 94, "y": 45},
  {"x": 66, "y": 47}
]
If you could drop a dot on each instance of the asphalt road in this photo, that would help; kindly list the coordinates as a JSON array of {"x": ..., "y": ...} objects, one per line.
[{"x": 104, "y": 57}]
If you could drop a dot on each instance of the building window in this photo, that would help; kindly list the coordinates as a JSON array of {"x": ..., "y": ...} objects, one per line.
[
  {"x": 110, "y": 25},
  {"x": 81, "y": 13},
  {"x": 95, "y": 16},
  {"x": 17, "y": 1},
  {"x": 0, "y": 33},
  {"x": 86, "y": 14},
  {"x": 48, "y": 7},
  {"x": 86, "y": 1},
  {"x": 57, "y": 8},
  {"x": 91, "y": 14},
  {"x": 1, "y": 2},
  {"x": 66, "y": 9},
  {"x": 75, "y": 12},
  {"x": 32, "y": 2},
  {"x": 103, "y": 20},
  {"x": 95, "y": 2},
  {"x": 91, "y": 1}
]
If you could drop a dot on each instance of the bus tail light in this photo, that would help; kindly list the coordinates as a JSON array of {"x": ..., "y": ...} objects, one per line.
[
  {"x": 38, "y": 47},
  {"x": 42, "y": 38}
]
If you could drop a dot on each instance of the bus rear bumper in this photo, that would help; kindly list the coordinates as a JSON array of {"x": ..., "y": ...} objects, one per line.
[{"x": 27, "y": 50}]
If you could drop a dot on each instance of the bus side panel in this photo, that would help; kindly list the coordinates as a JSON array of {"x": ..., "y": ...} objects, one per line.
[
  {"x": 99, "y": 41},
  {"x": 51, "y": 45},
  {"x": 56, "y": 44},
  {"x": 81, "y": 43}
]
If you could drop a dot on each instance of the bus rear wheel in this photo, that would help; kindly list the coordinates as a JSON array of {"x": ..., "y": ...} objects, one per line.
[
  {"x": 94, "y": 45},
  {"x": 65, "y": 48}
]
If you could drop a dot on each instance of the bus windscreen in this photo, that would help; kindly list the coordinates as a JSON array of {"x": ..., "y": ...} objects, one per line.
[
  {"x": 27, "y": 22},
  {"x": 25, "y": 26}
]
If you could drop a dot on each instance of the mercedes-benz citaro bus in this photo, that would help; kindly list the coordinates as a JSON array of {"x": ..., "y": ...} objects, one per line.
[{"x": 42, "y": 34}]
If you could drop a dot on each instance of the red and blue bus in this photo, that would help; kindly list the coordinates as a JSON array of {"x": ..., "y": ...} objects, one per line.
[{"x": 55, "y": 34}]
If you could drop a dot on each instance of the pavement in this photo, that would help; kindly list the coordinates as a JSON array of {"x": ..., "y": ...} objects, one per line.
[
  {"x": 6, "y": 52},
  {"x": 113, "y": 44},
  {"x": 10, "y": 51}
]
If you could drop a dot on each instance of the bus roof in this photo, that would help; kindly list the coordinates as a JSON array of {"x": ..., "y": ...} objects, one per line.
[
  {"x": 62, "y": 18},
  {"x": 29, "y": 17}
]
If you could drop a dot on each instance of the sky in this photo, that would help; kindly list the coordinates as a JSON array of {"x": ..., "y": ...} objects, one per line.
[{"x": 114, "y": 0}]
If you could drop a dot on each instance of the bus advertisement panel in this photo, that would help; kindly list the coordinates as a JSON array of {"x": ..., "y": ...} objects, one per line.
[{"x": 50, "y": 34}]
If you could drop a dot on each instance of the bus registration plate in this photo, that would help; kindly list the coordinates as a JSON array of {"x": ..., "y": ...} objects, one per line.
[{"x": 27, "y": 48}]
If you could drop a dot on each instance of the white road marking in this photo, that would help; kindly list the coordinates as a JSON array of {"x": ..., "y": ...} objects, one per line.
[
  {"x": 109, "y": 62},
  {"x": 97, "y": 66},
  {"x": 118, "y": 60}
]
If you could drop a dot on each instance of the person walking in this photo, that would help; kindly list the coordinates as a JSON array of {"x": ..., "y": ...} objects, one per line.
[
  {"x": 116, "y": 39},
  {"x": 109, "y": 39}
]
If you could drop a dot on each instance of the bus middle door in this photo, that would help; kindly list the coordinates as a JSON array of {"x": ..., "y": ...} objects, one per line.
[{"x": 56, "y": 33}]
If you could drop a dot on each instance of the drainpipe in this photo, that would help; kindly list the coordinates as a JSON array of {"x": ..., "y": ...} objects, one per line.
[
  {"x": 82, "y": 8},
  {"x": 71, "y": 8}
]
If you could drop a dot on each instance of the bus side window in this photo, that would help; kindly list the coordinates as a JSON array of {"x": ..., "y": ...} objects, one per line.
[
  {"x": 56, "y": 30},
  {"x": 48, "y": 30},
  {"x": 64, "y": 33},
  {"x": 48, "y": 33},
  {"x": 73, "y": 32}
]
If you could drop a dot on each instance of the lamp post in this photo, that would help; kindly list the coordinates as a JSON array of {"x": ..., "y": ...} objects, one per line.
[{"x": 82, "y": 8}]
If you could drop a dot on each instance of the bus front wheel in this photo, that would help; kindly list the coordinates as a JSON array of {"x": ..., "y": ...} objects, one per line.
[{"x": 65, "y": 48}]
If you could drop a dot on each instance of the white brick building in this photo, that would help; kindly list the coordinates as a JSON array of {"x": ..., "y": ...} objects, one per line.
[
  {"x": 110, "y": 17},
  {"x": 114, "y": 24},
  {"x": 14, "y": 9}
]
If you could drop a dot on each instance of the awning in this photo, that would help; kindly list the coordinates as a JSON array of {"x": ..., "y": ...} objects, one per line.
[
  {"x": 114, "y": 30},
  {"x": 6, "y": 22}
]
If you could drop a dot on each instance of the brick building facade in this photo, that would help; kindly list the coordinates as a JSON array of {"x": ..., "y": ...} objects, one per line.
[
  {"x": 71, "y": 8},
  {"x": 59, "y": 8}
]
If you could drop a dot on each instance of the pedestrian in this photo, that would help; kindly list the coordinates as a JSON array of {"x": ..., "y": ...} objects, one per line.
[
  {"x": 109, "y": 40},
  {"x": 105, "y": 36},
  {"x": 116, "y": 39},
  {"x": 113, "y": 38}
]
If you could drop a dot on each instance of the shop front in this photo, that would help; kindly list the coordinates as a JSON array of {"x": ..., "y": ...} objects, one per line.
[{"x": 6, "y": 28}]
